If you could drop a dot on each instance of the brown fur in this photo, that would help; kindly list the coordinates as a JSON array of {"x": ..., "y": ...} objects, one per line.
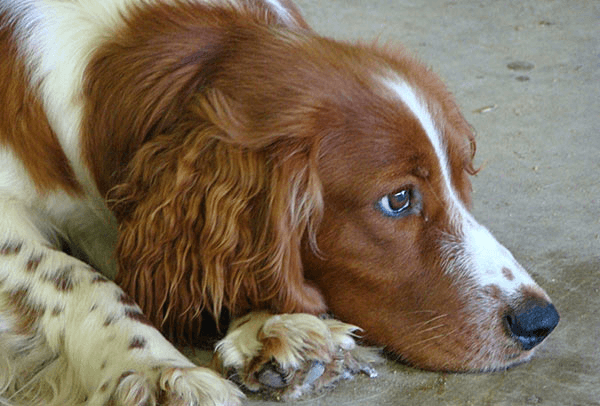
[
  {"x": 211, "y": 211},
  {"x": 225, "y": 154},
  {"x": 22, "y": 113}
]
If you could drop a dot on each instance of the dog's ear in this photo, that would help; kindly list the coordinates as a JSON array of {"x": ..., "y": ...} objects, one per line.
[{"x": 211, "y": 218}]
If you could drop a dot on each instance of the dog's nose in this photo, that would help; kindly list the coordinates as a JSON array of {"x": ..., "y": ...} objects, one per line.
[{"x": 532, "y": 323}]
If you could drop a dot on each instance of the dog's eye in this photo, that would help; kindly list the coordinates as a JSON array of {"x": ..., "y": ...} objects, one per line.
[{"x": 396, "y": 204}]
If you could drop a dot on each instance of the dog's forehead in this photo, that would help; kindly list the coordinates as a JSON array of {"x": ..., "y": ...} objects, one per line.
[
  {"x": 420, "y": 110},
  {"x": 434, "y": 134},
  {"x": 382, "y": 158},
  {"x": 386, "y": 146}
]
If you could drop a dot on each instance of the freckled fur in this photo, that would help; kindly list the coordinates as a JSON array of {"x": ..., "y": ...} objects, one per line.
[
  {"x": 10, "y": 248},
  {"x": 33, "y": 263},
  {"x": 137, "y": 343}
]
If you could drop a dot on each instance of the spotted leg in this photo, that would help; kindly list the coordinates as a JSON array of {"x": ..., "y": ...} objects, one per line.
[{"x": 68, "y": 335}]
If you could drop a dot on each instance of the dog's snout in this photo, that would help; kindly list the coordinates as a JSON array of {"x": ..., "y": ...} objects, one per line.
[{"x": 532, "y": 323}]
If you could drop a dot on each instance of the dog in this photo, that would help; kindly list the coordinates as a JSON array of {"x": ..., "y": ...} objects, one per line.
[{"x": 167, "y": 164}]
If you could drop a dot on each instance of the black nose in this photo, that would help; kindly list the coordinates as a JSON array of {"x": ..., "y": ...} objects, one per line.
[{"x": 532, "y": 323}]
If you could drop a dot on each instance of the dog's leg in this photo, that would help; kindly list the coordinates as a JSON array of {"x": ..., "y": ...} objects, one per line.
[
  {"x": 68, "y": 335},
  {"x": 291, "y": 355}
]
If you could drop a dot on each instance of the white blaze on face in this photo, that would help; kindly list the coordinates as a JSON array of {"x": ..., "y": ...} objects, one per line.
[
  {"x": 281, "y": 11},
  {"x": 481, "y": 257}
]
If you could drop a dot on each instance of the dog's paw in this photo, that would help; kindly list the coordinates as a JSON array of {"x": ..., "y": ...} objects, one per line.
[
  {"x": 290, "y": 355},
  {"x": 193, "y": 386}
]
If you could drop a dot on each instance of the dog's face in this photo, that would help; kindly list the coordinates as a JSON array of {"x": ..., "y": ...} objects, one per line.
[{"x": 400, "y": 254}]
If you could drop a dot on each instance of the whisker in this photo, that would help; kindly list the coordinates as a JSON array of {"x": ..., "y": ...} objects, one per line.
[
  {"x": 420, "y": 324},
  {"x": 434, "y": 319},
  {"x": 420, "y": 343},
  {"x": 431, "y": 328}
]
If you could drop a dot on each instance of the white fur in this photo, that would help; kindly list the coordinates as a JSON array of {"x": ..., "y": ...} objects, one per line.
[
  {"x": 79, "y": 352},
  {"x": 281, "y": 11},
  {"x": 58, "y": 38},
  {"x": 482, "y": 257},
  {"x": 303, "y": 340},
  {"x": 69, "y": 339},
  {"x": 84, "y": 222},
  {"x": 14, "y": 179},
  {"x": 305, "y": 336}
]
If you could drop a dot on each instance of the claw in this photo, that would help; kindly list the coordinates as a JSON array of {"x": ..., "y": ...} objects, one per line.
[
  {"x": 315, "y": 371},
  {"x": 369, "y": 371},
  {"x": 273, "y": 377}
]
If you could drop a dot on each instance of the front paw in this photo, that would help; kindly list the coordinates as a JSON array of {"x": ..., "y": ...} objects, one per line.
[{"x": 290, "y": 355}]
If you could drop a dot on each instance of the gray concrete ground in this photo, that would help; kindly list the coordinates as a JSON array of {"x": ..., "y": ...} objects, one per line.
[{"x": 527, "y": 75}]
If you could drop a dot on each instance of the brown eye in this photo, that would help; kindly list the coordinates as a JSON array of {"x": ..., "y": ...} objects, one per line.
[{"x": 396, "y": 204}]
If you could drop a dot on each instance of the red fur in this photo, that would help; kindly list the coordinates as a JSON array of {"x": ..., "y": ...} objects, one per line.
[
  {"x": 22, "y": 113},
  {"x": 220, "y": 147},
  {"x": 243, "y": 156}
]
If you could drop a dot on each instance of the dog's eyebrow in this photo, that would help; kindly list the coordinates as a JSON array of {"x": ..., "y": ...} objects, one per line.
[{"x": 421, "y": 172}]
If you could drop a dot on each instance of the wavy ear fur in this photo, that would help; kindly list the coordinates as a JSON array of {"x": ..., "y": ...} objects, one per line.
[{"x": 212, "y": 217}]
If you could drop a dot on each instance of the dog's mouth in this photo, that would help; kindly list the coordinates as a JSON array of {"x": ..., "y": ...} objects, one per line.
[{"x": 518, "y": 357}]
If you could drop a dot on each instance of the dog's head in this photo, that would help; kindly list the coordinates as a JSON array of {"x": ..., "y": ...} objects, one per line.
[
  {"x": 399, "y": 252},
  {"x": 294, "y": 173}
]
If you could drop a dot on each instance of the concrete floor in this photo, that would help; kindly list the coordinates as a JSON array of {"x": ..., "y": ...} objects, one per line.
[{"x": 538, "y": 126}]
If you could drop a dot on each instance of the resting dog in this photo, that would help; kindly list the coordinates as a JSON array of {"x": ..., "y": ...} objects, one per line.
[{"x": 218, "y": 160}]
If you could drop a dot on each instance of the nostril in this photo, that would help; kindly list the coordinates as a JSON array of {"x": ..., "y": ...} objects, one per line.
[
  {"x": 532, "y": 324},
  {"x": 510, "y": 320}
]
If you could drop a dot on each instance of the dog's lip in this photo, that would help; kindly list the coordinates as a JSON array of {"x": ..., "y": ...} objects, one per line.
[
  {"x": 509, "y": 360},
  {"x": 516, "y": 355},
  {"x": 515, "y": 358}
]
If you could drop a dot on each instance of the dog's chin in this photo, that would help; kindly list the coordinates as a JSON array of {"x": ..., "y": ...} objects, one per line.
[
  {"x": 500, "y": 363},
  {"x": 510, "y": 361},
  {"x": 502, "y": 360}
]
